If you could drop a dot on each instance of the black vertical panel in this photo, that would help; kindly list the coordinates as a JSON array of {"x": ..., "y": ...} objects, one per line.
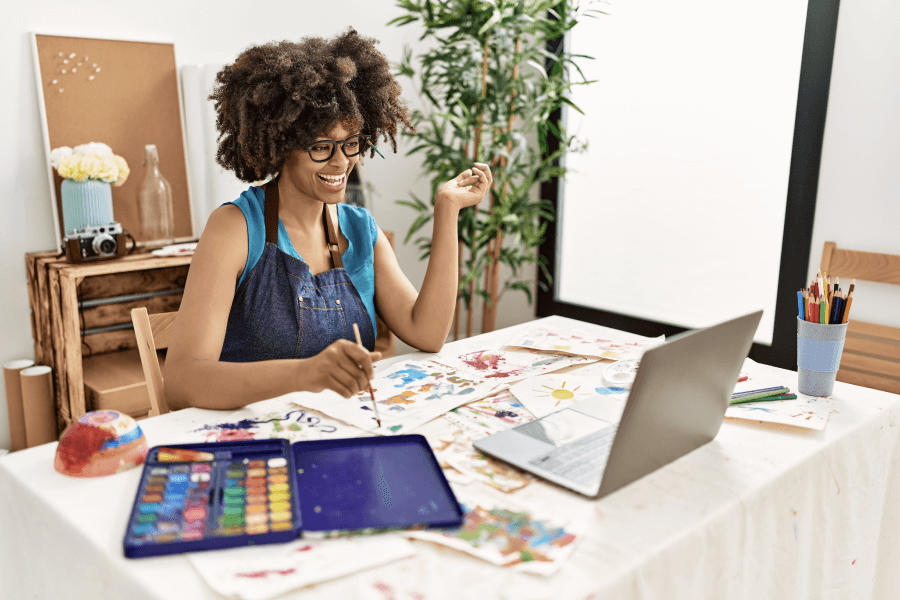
[{"x": 806, "y": 153}]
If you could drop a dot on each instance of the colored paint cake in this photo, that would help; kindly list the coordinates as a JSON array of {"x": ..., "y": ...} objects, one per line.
[{"x": 100, "y": 443}]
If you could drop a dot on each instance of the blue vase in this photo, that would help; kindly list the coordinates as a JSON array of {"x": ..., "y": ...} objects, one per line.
[{"x": 86, "y": 204}]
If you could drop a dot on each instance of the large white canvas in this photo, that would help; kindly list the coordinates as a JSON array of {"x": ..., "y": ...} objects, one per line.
[{"x": 679, "y": 200}]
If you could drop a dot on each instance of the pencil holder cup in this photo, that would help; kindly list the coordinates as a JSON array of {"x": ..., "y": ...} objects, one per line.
[{"x": 819, "y": 349}]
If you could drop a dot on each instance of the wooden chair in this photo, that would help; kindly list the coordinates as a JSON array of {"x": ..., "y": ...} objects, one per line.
[
  {"x": 153, "y": 332},
  {"x": 871, "y": 355}
]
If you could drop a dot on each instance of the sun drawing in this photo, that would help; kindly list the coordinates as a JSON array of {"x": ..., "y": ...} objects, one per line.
[{"x": 560, "y": 393}]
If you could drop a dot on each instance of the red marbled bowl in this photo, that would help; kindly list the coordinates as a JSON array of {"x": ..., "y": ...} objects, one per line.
[{"x": 100, "y": 443}]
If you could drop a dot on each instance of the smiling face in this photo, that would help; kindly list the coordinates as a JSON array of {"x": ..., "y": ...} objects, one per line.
[{"x": 321, "y": 181}]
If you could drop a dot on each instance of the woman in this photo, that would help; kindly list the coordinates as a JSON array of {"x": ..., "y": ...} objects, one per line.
[{"x": 267, "y": 308}]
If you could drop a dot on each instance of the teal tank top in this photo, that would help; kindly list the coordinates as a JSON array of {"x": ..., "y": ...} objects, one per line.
[{"x": 357, "y": 225}]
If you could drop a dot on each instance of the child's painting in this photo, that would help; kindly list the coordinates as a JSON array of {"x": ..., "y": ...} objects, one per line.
[
  {"x": 408, "y": 394},
  {"x": 267, "y": 571},
  {"x": 504, "y": 366},
  {"x": 275, "y": 418},
  {"x": 495, "y": 413},
  {"x": 550, "y": 393},
  {"x": 509, "y": 537},
  {"x": 455, "y": 451},
  {"x": 612, "y": 345}
]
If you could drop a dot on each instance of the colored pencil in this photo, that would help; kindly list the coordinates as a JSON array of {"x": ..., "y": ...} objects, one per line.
[
  {"x": 371, "y": 393},
  {"x": 766, "y": 399},
  {"x": 846, "y": 316},
  {"x": 754, "y": 394}
]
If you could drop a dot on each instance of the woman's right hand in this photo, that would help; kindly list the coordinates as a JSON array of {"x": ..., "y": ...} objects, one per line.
[{"x": 343, "y": 366}]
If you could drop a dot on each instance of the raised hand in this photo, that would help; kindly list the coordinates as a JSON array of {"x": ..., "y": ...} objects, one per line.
[{"x": 466, "y": 189}]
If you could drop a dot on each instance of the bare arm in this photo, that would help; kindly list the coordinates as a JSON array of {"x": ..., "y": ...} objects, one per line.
[
  {"x": 423, "y": 319},
  {"x": 194, "y": 376}
]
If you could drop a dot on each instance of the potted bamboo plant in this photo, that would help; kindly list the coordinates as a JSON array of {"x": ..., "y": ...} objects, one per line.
[{"x": 495, "y": 75}]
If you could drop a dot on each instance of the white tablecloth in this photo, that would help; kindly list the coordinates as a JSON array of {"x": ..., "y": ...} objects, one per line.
[{"x": 762, "y": 512}]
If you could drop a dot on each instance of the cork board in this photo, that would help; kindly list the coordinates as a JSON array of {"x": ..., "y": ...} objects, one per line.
[{"x": 124, "y": 94}]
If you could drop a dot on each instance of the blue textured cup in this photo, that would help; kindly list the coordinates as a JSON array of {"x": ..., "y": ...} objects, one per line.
[{"x": 819, "y": 349}]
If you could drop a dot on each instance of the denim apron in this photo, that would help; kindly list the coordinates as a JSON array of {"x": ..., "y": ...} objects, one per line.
[{"x": 281, "y": 311}]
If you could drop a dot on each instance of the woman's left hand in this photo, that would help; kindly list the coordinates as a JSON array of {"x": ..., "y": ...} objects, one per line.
[{"x": 466, "y": 189}]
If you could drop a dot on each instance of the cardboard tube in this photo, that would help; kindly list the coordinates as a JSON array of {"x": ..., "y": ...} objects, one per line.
[
  {"x": 14, "y": 401},
  {"x": 38, "y": 405}
]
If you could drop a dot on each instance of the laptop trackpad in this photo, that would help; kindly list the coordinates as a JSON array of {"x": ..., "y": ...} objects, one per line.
[{"x": 562, "y": 427}]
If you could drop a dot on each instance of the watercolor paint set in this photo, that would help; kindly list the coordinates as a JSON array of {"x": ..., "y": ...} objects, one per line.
[{"x": 207, "y": 496}]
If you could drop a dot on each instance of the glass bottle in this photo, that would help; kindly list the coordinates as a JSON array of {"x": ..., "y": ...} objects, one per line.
[{"x": 155, "y": 202}]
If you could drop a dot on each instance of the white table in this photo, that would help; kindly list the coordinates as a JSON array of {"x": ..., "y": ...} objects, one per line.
[{"x": 763, "y": 511}]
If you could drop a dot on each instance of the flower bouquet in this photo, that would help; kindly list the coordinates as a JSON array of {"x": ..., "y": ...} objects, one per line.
[{"x": 88, "y": 171}]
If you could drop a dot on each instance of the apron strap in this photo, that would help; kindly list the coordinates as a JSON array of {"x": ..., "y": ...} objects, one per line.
[
  {"x": 270, "y": 212},
  {"x": 331, "y": 230}
]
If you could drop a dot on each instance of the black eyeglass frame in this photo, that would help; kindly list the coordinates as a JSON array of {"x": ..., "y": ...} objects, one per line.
[{"x": 366, "y": 143}]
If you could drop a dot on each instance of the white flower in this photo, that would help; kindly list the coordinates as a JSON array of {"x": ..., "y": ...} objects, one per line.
[
  {"x": 95, "y": 148},
  {"x": 57, "y": 155}
]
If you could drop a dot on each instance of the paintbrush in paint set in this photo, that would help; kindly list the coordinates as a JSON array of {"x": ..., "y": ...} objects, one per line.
[{"x": 372, "y": 394}]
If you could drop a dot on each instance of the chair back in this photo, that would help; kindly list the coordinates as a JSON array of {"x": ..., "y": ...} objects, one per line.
[
  {"x": 153, "y": 333},
  {"x": 871, "y": 355}
]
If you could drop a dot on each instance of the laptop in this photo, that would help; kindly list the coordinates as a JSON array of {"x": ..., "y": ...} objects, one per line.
[{"x": 677, "y": 403}]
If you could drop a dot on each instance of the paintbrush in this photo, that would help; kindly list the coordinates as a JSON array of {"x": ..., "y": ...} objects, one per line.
[{"x": 374, "y": 404}]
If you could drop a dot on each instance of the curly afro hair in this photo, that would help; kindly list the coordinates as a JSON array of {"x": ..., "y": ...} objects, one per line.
[{"x": 281, "y": 96}]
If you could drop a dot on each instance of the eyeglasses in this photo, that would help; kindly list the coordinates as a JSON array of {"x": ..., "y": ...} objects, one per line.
[{"x": 323, "y": 150}]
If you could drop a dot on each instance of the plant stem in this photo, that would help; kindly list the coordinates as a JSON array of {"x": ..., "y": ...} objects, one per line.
[
  {"x": 492, "y": 271},
  {"x": 472, "y": 250}
]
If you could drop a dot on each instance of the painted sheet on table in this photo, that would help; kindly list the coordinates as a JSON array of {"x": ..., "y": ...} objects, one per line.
[
  {"x": 495, "y": 413},
  {"x": 408, "y": 394},
  {"x": 463, "y": 464},
  {"x": 805, "y": 411},
  {"x": 275, "y": 418},
  {"x": 550, "y": 393},
  {"x": 582, "y": 342},
  {"x": 511, "y": 536},
  {"x": 507, "y": 365},
  {"x": 267, "y": 571}
]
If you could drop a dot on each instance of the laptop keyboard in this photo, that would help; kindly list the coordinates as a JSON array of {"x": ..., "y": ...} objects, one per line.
[{"x": 581, "y": 461}]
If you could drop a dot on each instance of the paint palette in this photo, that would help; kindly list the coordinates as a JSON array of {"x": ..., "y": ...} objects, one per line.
[
  {"x": 226, "y": 494},
  {"x": 207, "y": 496}
]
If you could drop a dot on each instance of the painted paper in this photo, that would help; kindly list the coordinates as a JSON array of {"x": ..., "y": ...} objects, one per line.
[
  {"x": 805, "y": 411},
  {"x": 266, "y": 571},
  {"x": 495, "y": 413},
  {"x": 580, "y": 341},
  {"x": 549, "y": 393},
  {"x": 275, "y": 418},
  {"x": 408, "y": 394},
  {"x": 509, "y": 536},
  {"x": 507, "y": 365},
  {"x": 455, "y": 453}
]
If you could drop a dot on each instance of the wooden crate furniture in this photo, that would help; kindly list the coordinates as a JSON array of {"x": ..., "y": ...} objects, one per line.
[
  {"x": 871, "y": 355},
  {"x": 82, "y": 312}
]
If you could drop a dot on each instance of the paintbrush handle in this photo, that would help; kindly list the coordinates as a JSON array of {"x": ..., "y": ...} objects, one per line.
[{"x": 371, "y": 393}]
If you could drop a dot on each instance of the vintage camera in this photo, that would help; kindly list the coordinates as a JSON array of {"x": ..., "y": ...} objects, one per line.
[{"x": 95, "y": 243}]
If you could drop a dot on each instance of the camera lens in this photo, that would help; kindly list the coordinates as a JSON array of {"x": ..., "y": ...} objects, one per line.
[{"x": 104, "y": 245}]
